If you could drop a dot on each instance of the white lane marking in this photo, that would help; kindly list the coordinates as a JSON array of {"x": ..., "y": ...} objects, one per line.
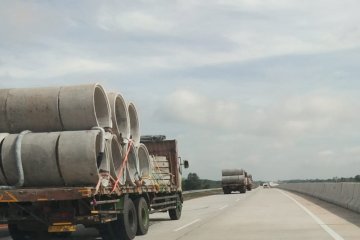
[
  {"x": 185, "y": 226},
  {"x": 330, "y": 231},
  {"x": 223, "y": 207}
]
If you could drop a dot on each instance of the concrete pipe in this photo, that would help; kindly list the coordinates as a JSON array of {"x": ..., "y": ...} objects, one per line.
[
  {"x": 134, "y": 124},
  {"x": 144, "y": 161},
  {"x": 39, "y": 160},
  {"x": 132, "y": 167},
  {"x": 2, "y": 176},
  {"x": 116, "y": 159},
  {"x": 119, "y": 116},
  {"x": 83, "y": 107},
  {"x": 232, "y": 172},
  {"x": 3, "y": 121},
  {"x": 34, "y": 109},
  {"x": 240, "y": 179},
  {"x": 78, "y": 152}
]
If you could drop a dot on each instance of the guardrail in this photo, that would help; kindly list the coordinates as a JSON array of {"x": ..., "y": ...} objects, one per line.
[
  {"x": 201, "y": 190},
  {"x": 346, "y": 195}
]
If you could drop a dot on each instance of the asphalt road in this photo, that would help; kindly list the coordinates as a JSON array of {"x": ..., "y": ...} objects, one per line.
[{"x": 259, "y": 214}]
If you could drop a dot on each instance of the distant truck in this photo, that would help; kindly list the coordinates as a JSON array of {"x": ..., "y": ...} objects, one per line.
[
  {"x": 249, "y": 181},
  {"x": 234, "y": 180}
]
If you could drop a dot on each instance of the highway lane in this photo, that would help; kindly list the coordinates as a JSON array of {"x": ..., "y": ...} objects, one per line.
[{"x": 259, "y": 214}]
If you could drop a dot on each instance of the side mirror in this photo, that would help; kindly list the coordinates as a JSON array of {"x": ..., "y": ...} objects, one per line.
[{"x": 186, "y": 164}]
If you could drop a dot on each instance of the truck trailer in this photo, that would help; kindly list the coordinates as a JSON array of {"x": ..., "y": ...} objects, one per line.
[
  {"x": 73, "y": 155},
  {"x": 233, "y": 180}
]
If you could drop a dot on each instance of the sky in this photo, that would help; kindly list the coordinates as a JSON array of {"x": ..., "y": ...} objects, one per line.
[{"x": 269, "y": 86}]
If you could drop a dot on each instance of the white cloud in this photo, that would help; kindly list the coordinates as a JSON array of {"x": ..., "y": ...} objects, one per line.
[
  {"x": 48, "y": 67},
  {"x": 192, "y": 108},
  {"x": 326, "y": 153},
  {"x": 111, "y": 19}
]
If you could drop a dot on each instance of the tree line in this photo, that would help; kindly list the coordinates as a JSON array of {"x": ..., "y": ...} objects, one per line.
[
  {"x": 334, "y": 179},
  {"x": 194, "y": 182}
]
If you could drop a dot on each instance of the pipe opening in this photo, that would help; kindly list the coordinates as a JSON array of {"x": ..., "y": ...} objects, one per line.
[
  {"x": 134, "y": 124},
  {"x": 122, "y": 117},
  {"x": 102, "y": 111},
  {"x": 144, "y": 161},
  {"x": 117, "y": 159},
  {"x": 132, "y": 166}
]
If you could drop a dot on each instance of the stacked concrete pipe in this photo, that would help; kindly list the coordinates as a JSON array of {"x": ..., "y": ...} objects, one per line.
[
  {"x": 144, "y": 161},
  {"x": 119, "y": 116},
  {"x": 54, "y": 109},
  {"x": 132, "y": 166},
  {"x": 238, "y": 179},
  {"x": 2, "y": 174},
  {"x": 67, "y": 145},
  {"x": 54, "y": 159},
  {"x": 117, "y": 159},
  {"x": 134, "y": 124},
  {"x": 232, "y": 172}
]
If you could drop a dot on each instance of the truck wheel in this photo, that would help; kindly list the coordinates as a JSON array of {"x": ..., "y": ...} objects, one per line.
[
  {"x": 124, "y": 228},
  {"x": 106, "y": 232},
  {"x": 226, "y": 191},
  {"x": 18, "y": 234},
  {"x": 243, "y": 189},
  {"x": 142, "y": 211},
  {"x": 175, "y": 213}
]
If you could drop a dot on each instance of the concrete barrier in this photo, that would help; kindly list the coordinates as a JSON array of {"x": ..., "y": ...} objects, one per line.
[
  {"x": 354, "y": 203},
  {"x": 346, "y": 195}
]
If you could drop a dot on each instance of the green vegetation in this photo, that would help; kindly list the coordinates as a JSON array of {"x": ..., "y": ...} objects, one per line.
[
  {"x": 193, "y": 182},
  {"x": 334, "y": 179}
]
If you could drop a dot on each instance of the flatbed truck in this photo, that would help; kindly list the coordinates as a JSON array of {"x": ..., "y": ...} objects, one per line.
[{"x": 118, "y": 212}]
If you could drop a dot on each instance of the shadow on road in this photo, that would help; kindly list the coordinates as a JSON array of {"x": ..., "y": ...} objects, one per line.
[
  {"x": 4, "y": 233},
  {"x": 344, "y": 213}
]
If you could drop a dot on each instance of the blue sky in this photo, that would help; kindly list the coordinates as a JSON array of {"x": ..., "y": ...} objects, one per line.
[{"x": 270, "y": 86}]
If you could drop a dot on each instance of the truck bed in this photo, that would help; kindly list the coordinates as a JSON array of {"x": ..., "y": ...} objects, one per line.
[{"x": 71, "y": 193}]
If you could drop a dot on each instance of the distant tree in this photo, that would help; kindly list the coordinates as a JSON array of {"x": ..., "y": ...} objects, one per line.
[
  {"x": 192, "y": 182},
  {"x": 357, "y": 178}
]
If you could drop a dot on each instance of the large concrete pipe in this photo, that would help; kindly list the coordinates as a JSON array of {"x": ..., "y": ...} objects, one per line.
[
  {"x": 232, "y": 172},
  {"x": 144, "y": 161},
  {"x": 119, "y": 116},
  {"x": 240, "y": 179},
  {"x": 134, "y": 124},
  {"x": 132, "y": 166},
  {"x": 83, "y": 107},
  {"x": 2, "y": 175},
  {"x": 34, "y": 109},
  {"x": 3, "y": 121},
  {"x": 38, "y": 156},
  {"x": 116, "y": 159},
  {"x": 78, "y": 152}
]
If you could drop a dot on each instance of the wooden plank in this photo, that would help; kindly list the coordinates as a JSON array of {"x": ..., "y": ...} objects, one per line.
[{"x": 161, "y": 164}]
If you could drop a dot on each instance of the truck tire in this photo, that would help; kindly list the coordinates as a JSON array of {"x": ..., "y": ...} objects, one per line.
[
  {"x": 18, "y": 234},
  {"x": 243, "y": 189},
  {"x": 226, "y": 191},
  {"x": 124, "y": 228},
  {"x": 142, "y": 211},
  {"x": 175, "y": 214}
]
